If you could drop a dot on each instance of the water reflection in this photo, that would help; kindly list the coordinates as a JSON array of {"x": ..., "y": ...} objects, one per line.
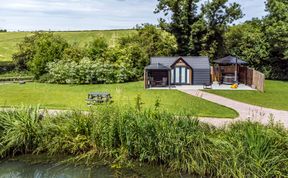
[{"x": 19, "y": 169}]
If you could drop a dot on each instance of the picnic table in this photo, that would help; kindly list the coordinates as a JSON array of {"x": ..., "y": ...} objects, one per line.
[{"x": 98, "y": 97}]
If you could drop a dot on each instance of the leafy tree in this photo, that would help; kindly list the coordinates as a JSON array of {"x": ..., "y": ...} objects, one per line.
[
  {"x": 35, "y": 51},
  {"x": 248, "y": 42},
  {"x": 199, "y": 34},
  {"x": 26, "y": 51},
  {"x": 97, "y": 48},
  {"x": 183, "y": 15},
  {"x": 74, "y": 53},
  {"x": 155, "y": 41},
  {"x": 218, "y": 15},
  {"x": 48, "y": 47},
  {"x": 276, "y": 30},
  {"x": 147, "y": 42}
]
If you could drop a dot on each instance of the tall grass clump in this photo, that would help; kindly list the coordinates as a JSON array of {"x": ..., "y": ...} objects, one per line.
[
  {"x": 20, "y": 130},
  {"x": 123, "y": 136}
]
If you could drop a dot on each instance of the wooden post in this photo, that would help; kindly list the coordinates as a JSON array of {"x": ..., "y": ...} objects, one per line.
[
  {"x": 169, "y": 78},
  {"x": 145, "y": 80}
]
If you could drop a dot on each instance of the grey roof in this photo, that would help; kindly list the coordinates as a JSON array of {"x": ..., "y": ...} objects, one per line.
[
  {"x": 156, "y": 66},
  {"x": 197, "y": 62},
  {"x": 230, "y": 60}
]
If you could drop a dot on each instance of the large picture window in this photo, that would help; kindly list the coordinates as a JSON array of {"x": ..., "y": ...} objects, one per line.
[{"x": 180, "y": 75}]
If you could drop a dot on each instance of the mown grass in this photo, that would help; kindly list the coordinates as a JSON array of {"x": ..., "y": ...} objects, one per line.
[
  {"x": 73, "y": 97},
  {"x": 275, "y": 95},
  {"x": 120, "y": 137},
  {"x": 9, "y": 40}
]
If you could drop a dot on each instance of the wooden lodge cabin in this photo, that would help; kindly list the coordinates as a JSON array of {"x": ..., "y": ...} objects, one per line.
[
  {"x": 167, "y": 71},
  {"x": 189, "y": 70}
]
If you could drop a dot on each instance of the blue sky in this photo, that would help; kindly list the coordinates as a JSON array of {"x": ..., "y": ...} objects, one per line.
[{"x": 90, "y": 14}]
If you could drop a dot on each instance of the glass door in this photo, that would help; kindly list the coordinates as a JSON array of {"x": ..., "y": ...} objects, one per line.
[{"x": 180, "y": 75}]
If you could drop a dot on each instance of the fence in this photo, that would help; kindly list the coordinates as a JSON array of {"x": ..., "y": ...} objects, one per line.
[{"x": 247, "y": 76}]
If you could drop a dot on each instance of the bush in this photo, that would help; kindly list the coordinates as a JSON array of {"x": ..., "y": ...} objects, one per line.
[
  {"x": 44, "y": 53},
  {"x": 97, "y": 49},
  {"x": 74, "y": 53},
  {"x": 37, "y": 50},
  {"x": 20, "y": 131},
  {"x": 87, "y": 71}
]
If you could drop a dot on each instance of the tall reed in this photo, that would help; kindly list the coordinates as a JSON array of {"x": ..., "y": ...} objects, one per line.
[{"x": 244, "y": 149}]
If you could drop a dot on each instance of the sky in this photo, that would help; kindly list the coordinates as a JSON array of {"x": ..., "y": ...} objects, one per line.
[{"x": 30, "y": 15}]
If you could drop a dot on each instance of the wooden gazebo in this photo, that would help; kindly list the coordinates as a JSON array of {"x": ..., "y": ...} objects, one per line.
[
  {"x": 230, "y": 75},
  {"x": 157, "y": 75}
]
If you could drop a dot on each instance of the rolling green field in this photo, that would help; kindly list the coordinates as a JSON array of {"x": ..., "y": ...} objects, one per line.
[
  {"x": 275, "y": 95},
  {"x": 9, "y": 40},
  {"x": 73, "y": 97}
]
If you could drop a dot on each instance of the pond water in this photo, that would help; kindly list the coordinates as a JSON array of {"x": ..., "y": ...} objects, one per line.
[
  {"x": 19, "y": 169},
  {"x": 31, "y": 166}
]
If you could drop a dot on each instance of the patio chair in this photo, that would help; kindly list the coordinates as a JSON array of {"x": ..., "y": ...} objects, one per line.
[
  {"x": 164, "y": 82},
  {"x": 151, "y": 82},
  {"x": 207, "y": 85}
]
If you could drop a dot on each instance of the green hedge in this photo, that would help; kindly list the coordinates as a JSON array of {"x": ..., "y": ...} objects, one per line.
[
  {"x": 6, "y": 66},
  {"x": 5, "y": 79}
]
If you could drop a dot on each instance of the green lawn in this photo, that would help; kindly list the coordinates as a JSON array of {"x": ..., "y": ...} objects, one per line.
[
  {"x": 73, "y": 97},
  {"x": 275, "y": 95},
  {"x": 9, "y": 40}
]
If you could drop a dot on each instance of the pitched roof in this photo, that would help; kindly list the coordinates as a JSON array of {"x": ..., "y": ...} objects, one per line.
[
  {"x": 230, "y": 60},
  {"x": 156, "y": 66},
  {"x": 196, "y": 62}
]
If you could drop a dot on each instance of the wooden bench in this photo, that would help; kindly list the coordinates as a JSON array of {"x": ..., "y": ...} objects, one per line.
[{"x": 98, "y": 98}]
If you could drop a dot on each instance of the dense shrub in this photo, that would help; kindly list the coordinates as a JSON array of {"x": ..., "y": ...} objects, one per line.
[
  {"x": 74, "y": 53},
  {"x": 50, "y": 58},
  {"x": 88, "y": 71},
  {"x": 39, "y": 49},
  {"x": 6, "y": 67},
  {"x": 244, "y": 149},
  {"x": 97, "y": 48}
]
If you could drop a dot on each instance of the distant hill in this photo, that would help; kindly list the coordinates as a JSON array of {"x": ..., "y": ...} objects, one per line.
[{"x": 9, "y": 40}]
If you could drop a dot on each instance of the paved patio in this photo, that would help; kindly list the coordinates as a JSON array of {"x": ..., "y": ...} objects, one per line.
[{"x": 200, "y": 87}]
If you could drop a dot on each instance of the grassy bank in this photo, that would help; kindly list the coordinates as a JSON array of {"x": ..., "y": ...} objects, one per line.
[
  {"x": 275, "y": 95},
  {"x": 121, "y": 137},
  {"x": 73, "y": 97},
  {"x": 9, "y": 40}
]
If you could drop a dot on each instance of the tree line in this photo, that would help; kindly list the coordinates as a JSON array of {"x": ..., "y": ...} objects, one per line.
[
  {"x": 187, "y": 28},
  {"x": 51, "y": 58},
  {"x": 208, "y": 29}
]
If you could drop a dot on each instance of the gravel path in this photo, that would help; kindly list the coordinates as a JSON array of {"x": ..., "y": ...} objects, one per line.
[{"x": 246, "y": 111}]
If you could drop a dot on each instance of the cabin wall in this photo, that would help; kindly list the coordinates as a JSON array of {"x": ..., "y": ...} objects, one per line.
[{"x": 201, "y": 76}]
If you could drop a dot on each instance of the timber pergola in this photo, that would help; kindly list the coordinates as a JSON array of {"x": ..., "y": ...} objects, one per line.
[
  {"x": 231, "y": 61},
  {"x": 157, "y": 75}
]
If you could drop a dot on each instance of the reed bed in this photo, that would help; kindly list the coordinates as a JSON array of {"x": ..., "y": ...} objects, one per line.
[{"x": 121, "y": 137}]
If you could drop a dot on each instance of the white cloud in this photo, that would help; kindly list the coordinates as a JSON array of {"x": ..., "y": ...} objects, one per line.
[{"x": 89, "y": 14}]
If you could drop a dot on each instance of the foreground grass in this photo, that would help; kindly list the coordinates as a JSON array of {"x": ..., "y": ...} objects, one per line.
[
  {"x": 275, "y": 95},
  {"x": 9, "y": 40},
  {"x": 73, "y": 97},
  {"x": 121, "y": 137}
]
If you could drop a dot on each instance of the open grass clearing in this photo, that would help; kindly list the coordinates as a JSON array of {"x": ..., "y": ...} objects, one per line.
[
  {"x": 275, "y": 95},
  {"x": 73, "y": 97}
]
